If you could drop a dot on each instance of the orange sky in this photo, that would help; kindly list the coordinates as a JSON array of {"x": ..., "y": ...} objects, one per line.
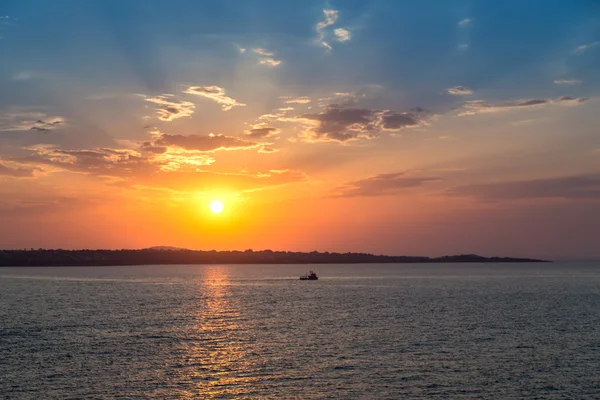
[{"x": 329, "y": 134}]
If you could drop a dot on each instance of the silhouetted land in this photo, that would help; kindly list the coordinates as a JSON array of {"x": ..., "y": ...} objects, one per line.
[{"x": 43, "y": 257}]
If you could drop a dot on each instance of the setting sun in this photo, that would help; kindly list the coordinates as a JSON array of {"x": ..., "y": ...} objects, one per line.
[{"x": 217, "y": 207}]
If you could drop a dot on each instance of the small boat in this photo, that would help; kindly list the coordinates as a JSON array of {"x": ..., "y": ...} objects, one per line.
[{"x": 311, "y": 276}]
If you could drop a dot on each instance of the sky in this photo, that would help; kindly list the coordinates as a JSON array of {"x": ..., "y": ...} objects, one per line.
[{"x": 390, "y": 127}]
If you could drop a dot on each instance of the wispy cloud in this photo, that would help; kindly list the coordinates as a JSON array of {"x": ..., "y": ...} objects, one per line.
[
  {"x": 459, "y": 91},
  {"x": 262, "y": 131},
  {"x": 169, "y": 109},
  {"x": 570, "y": 187},
  {"x": 263, "y": 52},
  {"x": 342, "y": 35},
  {"x": 481, "y": 106},
  {"x": 383, "y": 184},
  {"x": 464, "y": 22},
  {"x": 15, "y": 171},
  {"x": 567, "y": 81},
  {"x": 25, "y": 120},
  {"x": 585, "y": 47},
  {"x": 5, "y": 21},
  {"x": 330, "y": 17},
  {"x": 269, "y": 62},
  {"x": 205, "y": 143},
  {"x": 296, "y": 100},
  {"x": 267, "y": 57},
  {"x": 216, "y": 94},
  {"x": 99, "y": 161},
  {"x": 176, "y": 169},
  {"x": 267, "y": 150},
  {"x": 24, "y": 76},
  {"x": 463, "y": 47}
]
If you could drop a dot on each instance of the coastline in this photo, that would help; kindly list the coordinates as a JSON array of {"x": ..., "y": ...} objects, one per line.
[{"x": 84, "y": 258}]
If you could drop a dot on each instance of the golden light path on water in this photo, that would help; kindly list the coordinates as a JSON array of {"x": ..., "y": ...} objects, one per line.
[{"x": 218, "y": 355}]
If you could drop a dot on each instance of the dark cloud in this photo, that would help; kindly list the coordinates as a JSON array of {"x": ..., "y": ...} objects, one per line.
[
  {"x": 262, "y": 131},
  {"x": 573, "y": 99},
  {"x": 22, "y": 119},
  {"x": 342, "y": 124},
  {"x": 44, "y": 126},
  {"x": 381, "y": 185},
  {"x": 203, "y": 143},
  {"x": 152, "y": 148},
  {"x": 481, "y": 106},
  {"x": 570, "y": 187},
  {"x": 396, "y": 121},
  {"x": 531, "y": 103}
]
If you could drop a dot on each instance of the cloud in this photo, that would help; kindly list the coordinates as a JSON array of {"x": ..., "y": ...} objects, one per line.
[
  {"x": 464, "y": 22},
  {"x": 46, "y": 126},
  {"x": 567, "y": 81},
  {"x": 326, "y": 45},
  {"x": 15, "y": 172},
  {"x": 5, "y": 22},
  {"x": 263, "y": 52},
  {"x": 168, "y": 109},
  {"x": 269, "y": 62},
  {"x": 216, "y": 94},
  {"x": 262, "y": 131},
  {"x": 296, "y": 100},
  {"x": 570, "y": 187},
  {"x": 267, "y": 150},
  {"x": 342, "y": 35},
  {"x": 381, "y": 185},
  {"x": 24, "y": 76},
  {"x": 481, "y": 106},
  {"x": 393, "y": 121},
  {"x": 100, "y": 161},
  {"x": 268, "y": 57},
  {"x": 176, "y": 169},
  {"x": 463, "y": 47},
  {"x": 24, "y": 120},
  {"x": 343, "y": 124},
  {"x": 208, "y": 143},
  {"x": 459, "y": 91},
  {"x": 339, "y": 124},
  {"x": 585, "y": 47},
  {"x": 330, "y": 17},
  {"x": 208, "y": 181}
]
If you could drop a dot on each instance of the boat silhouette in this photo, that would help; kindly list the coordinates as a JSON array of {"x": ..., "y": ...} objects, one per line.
[{"x": 311, "y": 276}]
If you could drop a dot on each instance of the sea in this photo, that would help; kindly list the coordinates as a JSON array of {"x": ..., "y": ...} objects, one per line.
[{"x": 362, "y": 331}]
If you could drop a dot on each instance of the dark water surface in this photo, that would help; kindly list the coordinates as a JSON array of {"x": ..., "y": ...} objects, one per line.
[{"x": 362, "y": 331}]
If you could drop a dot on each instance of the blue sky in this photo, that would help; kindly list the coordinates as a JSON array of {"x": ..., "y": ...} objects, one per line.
[{"x": 354, "y": 104}]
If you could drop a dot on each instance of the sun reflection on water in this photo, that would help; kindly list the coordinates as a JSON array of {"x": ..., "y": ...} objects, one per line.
[{"x": 217, "y": 352}]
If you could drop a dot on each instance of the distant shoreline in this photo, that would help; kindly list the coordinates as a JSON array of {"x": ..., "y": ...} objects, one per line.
[{"x": 169, "y": 256}]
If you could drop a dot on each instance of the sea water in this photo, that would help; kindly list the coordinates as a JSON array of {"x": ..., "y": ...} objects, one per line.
[{"x": 368, "y": 331}]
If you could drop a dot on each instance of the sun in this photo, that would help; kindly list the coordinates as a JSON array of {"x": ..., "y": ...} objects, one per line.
[{"x": 217, "y": 207}]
